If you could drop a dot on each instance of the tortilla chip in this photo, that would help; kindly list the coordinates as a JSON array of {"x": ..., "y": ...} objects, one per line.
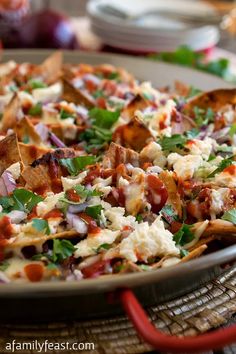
[
  {"x": 71, "y": 94},
  {"x": 25, "y": 129},
  {"x": 30, "y": 152},
  {"x": 117, "y": 154},
  {"x": 9, "y": 152},
  {"x": 138, "y": 103},
  {"x": 215, "y": 100},
  {"x": 34, "y": 240},
  {"x": 173, "y": 195},
  {"x": 197, "y": 252},
  {"x": 203, "y": 241},
  {"x": 221, "y": 228},
  {"x": 11, "y": 113},
  {"x": 134, "y": 135},
  {"x": 130, "y": 267},
  {"x": 50, "y": 69}
]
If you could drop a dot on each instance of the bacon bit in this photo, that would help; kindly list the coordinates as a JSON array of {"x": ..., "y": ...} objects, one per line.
[
  {"x": 230, "y": 169},
  {"x": 72, "y": 195},
  {"x": 94, "y": 173},
  {"x": 34, "y": 271},
  {"x": 55, "y": 213},
  {"x": 101, "y": 102},
  {"x": 95, "y": 269},
  {"x": 41, "y": 190},
  {"x": 146, "y": 165},
  {"x": 127, "y": 228},
  {"x": 91, "y": 223},
  {"x": 157, "y": 194},
  {"x": 6, "y": 229}
]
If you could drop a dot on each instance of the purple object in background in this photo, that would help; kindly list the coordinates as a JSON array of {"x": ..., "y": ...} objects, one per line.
[{"x": 45, "y": 29}]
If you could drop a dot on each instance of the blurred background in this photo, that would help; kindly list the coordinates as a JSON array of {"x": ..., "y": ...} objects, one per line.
[{"x": 188, "y": 32}]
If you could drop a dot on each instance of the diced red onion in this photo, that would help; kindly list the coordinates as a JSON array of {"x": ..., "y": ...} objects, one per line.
[
  {"x": 75, "y": 222},
  {"x": 17, "y": 216},
  {"x": 77, "y": 208},
  {"x": 3, "y": 278},
  {"x": 221, "y": 136},
  {"x": 94, "y": 79},
  {"x": 42, "y": 130},
  {"x": 55, "y": 140},
  {"x": 7, "y": 183}
]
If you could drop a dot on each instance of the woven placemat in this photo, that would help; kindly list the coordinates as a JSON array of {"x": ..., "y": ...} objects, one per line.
[{"x": 211, "y": 306}]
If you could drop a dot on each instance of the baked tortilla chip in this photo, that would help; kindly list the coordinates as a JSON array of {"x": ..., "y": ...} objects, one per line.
[
  {"x": 220, "y": 228},
  {"x": 50, "y": 69},
  {"x": 36, "y": 239},
  {"x": 173, "y": 195},
  {"x": 25, "y": 129},
  {"x": 134, "y": 135},
  {"x": 215, "y": 100},
  {"x": 138, "y": 103},
  {"x": 197, "y": 252},
  {"x": 117, "y": 154},
  {"x": 9, "y": 152},
  {"x": 11, "y": 113},
  {"x": 71, "y": 94},
  {"x": 30, "y": 152}
]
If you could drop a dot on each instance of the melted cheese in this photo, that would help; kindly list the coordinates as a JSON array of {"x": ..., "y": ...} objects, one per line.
[{"x": 148, "y": 241}]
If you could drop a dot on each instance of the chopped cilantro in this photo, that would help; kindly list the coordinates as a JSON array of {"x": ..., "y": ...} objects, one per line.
[
  {"x": 113, "y": 76},
  {"x": 104, "y": 246},
  {"x": 41, "y": 225},
  {"x": 202, "y": 116},
  {"x": 35, "y": 110},
  {"x": 21, "y": 199},
  {"x": 98, "y": 93},
  {"x": 232, "y": 130},
  {"x": 144, "y": 267},
  {"x": 77, "y": 164},
  {"x": 52, "y": 266},
  {"x": 94, "y": 211},
  {"x": 4, "y": 265},
  {"x": 62, "y": 249},
  {"x": 191, "y": 134},
  {"x": 193, "y": 92},
  {"x": 168, "y": 143},
  {"x": 102, "y": 118},
  {"x": 230, "y": 215},
  {"x": 86, "y": 193},
  {"x": 96, "y": 138},
  {"x": 139, "y": 218},
  {"x": 64, "y": 114},
  {"x": 168, "y": 214},
  {"x": 25, "y": 139},
  {"x": 184, "y": 235},
  {"x": 223, "y": 164},
  {"x": 183, "y": 253},
  {"x": 37, "y": 84}
]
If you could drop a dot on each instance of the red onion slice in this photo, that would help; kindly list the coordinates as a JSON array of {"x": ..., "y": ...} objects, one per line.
[
  {"x": 42, "y": 131},
  {"x": 7, "y": 183},
  {"x": 56, "y": 141},
  {"x": 75, "y": 222}
]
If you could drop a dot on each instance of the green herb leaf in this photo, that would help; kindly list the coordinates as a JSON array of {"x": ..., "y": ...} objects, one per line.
[
  {"x": 139, "y": 218},
  {"x": 4, "y": 265},
  {"x": 21, "y": 199},
  {"x": 168, "y": 143},
  {"x": 232, "y": 130},
  {"x": 35, "y": 110},
  {"x": 52, "y": 266},
  {"x": 183, "y": 253},
  {"x": 25, "y": 139},
  {"x": 202, "y": 116},
  {"x": 191, "y": 134},
  {"x": 193, "y": 92},
  {"x": 41, "y": 225},
  {"x": 94, "y": 211},
  {"x": 113, "y": 76},
  {"x": 97, "y": 138},
  {"x": 64, "y": 114},
  {"x": 102, "y": 118},
  {"x": 230, "y": 215},
  {"x": 104, "y": 246},
  {"x": 184, "y": 235},
  {"x": 168, "y": 214},
  {"x": 77, "y": 164},
  {"x": 144, "y": 267},
  {"x": 62, "y": 249},
  {"x": 36, "y": 84},
  {"x": 86, "y": 193},
  {"x": 223, "y": 164},
  {"x": 98, "y": 93}
]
